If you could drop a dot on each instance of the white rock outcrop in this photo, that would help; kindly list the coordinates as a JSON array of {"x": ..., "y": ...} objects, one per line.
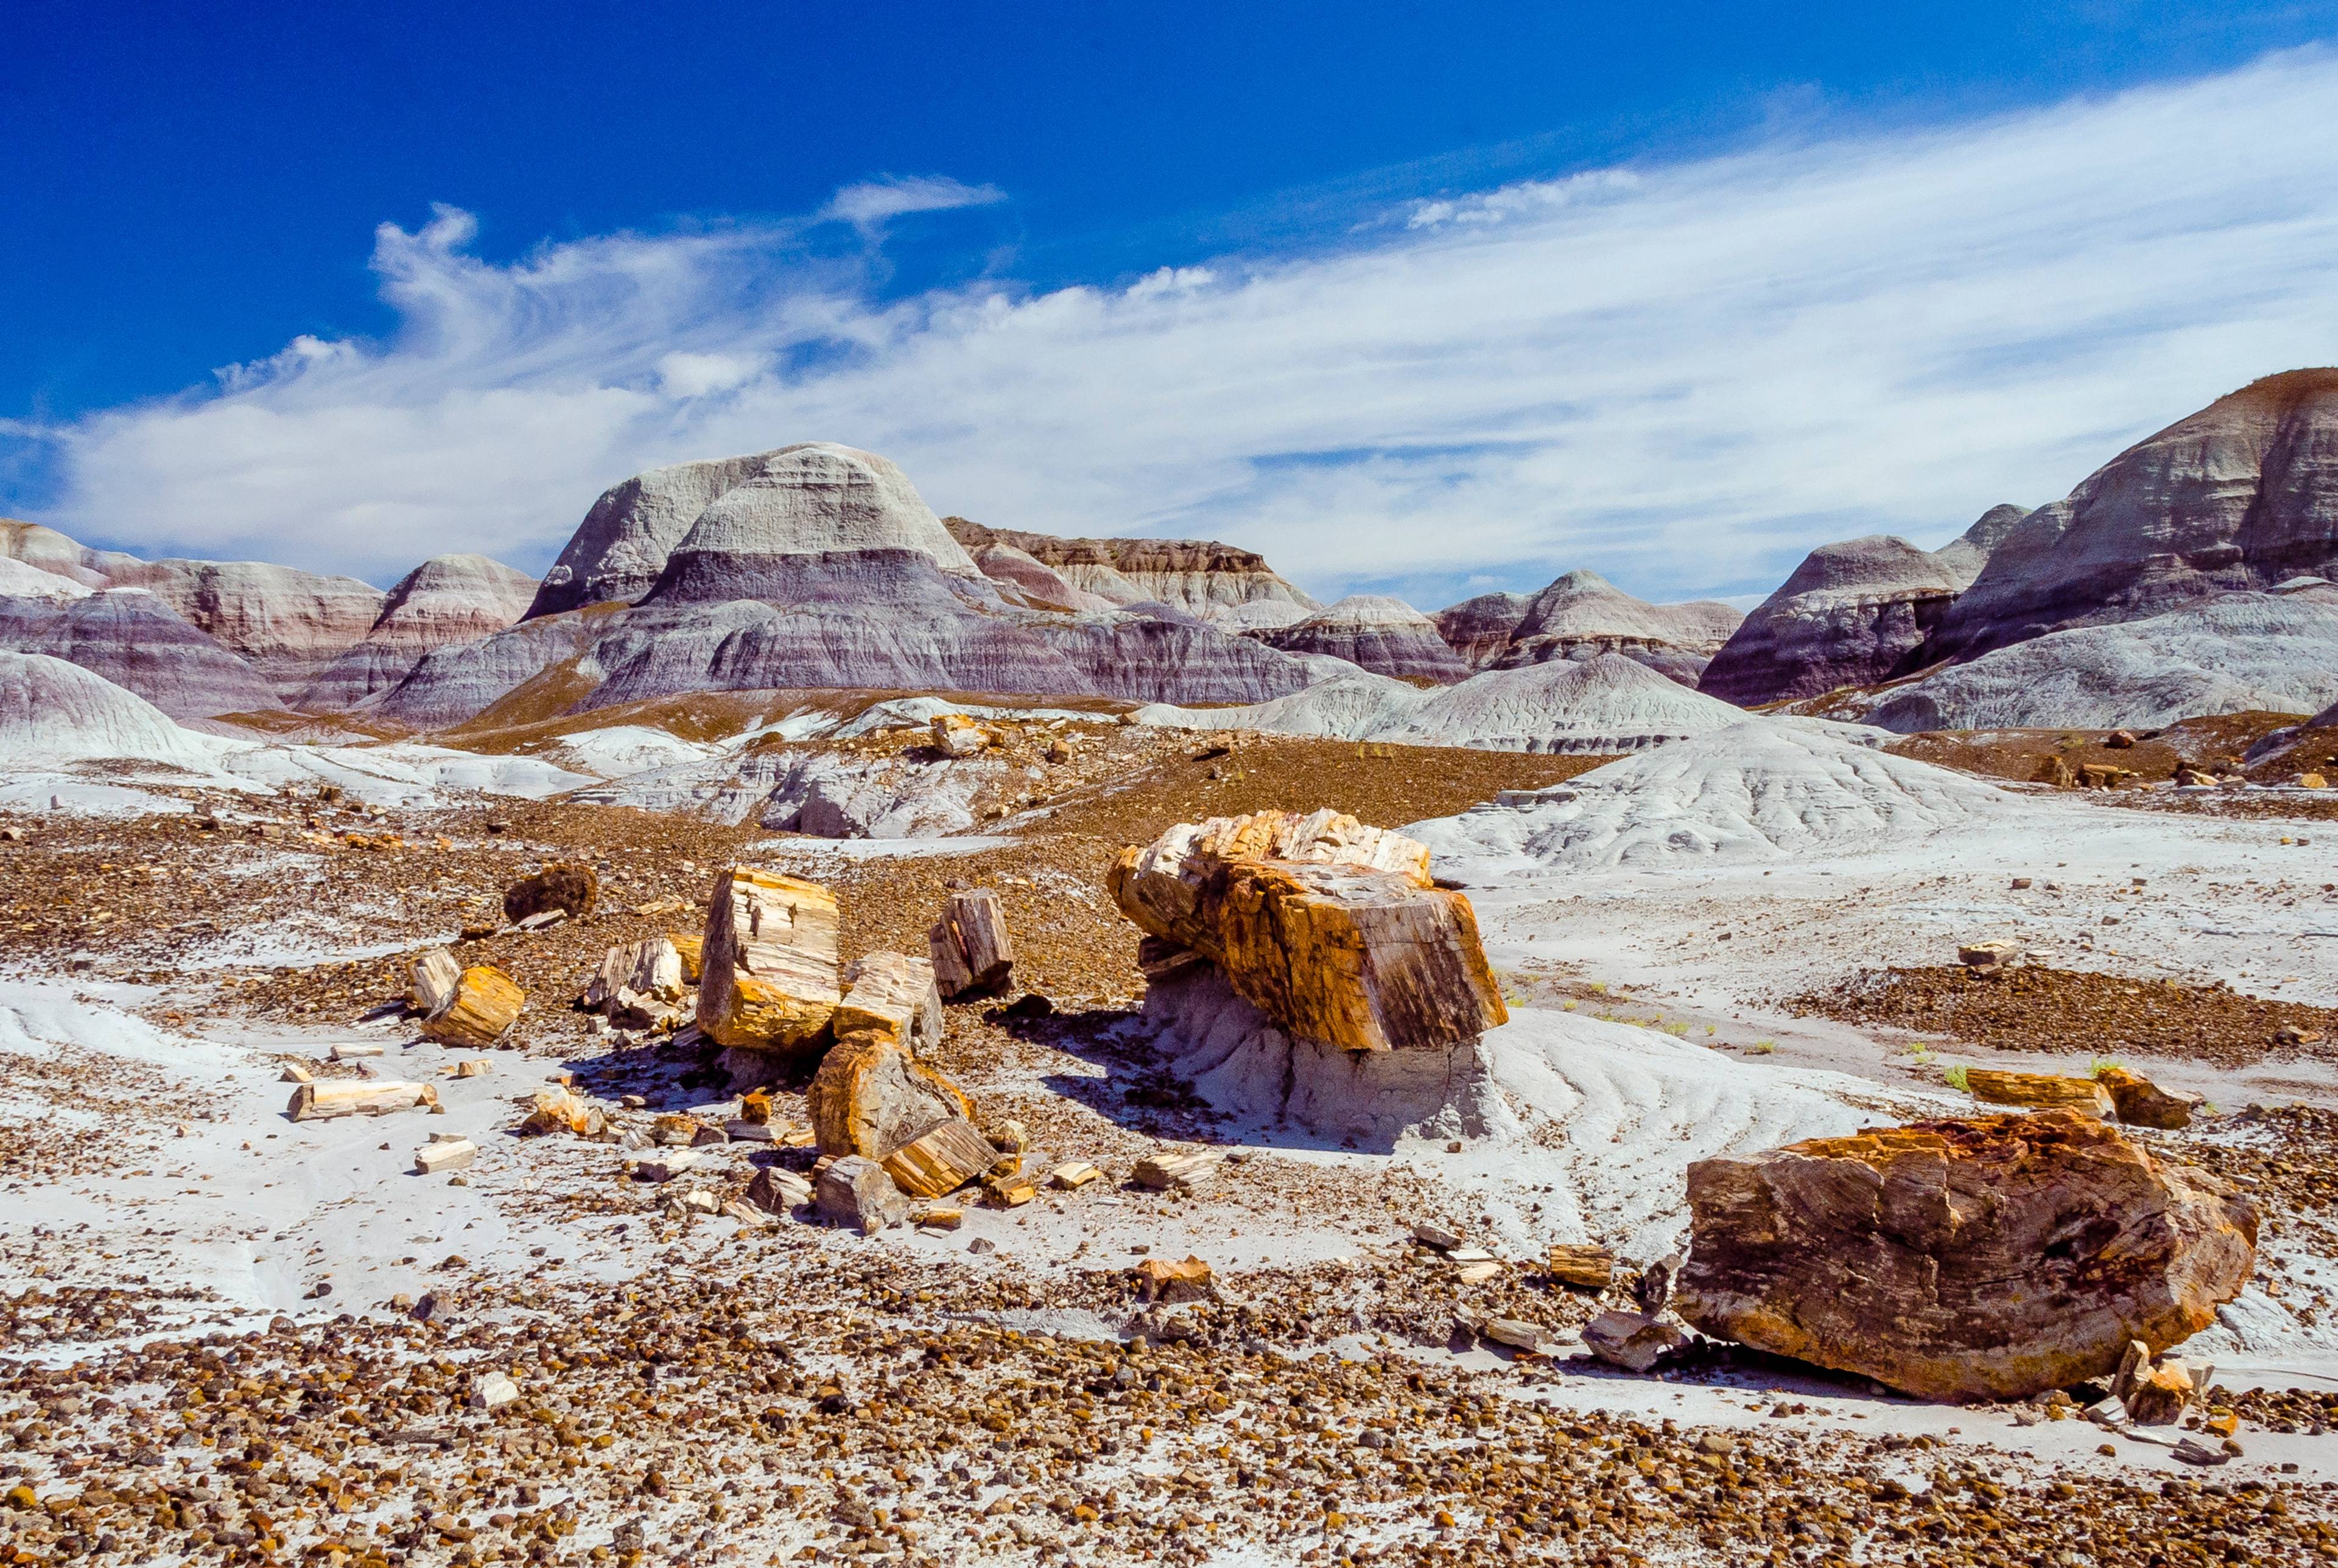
[{"x": 55, "y": 714}]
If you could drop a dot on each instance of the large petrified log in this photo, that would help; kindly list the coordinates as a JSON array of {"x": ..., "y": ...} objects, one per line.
[
  {"x": 768, "y": 963},
  {"x": 1990, "y": 1256},
  {"x": 871, "y": 1095},
  {"x": 1330, "y": 928}
]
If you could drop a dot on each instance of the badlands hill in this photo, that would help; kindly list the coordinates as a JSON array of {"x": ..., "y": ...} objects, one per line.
[
  {"x": 2242, "y": 495},
  {"x": 1851, "y": 614},
  {"x": 1582, "y": 614},
  {"x": 821, "y": 565},
  {"x": 199, "y": 638},
  {"x": 1206, "y": 580},
  {"x": 1386, "y": 636}
]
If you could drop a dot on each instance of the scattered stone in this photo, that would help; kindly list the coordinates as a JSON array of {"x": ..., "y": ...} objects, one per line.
[
  {"x": 361, "y": 1097},
  {"x": 570, "y": 889},
  {"x": 1431, "y": 1234},
  {"x": 432, "y": 980},
  {"x": 563, "y": 1109},
  {"x": 770, "y": 963},
  {"x": 295, "y": 1073},
  {"x": 1990, "y": 1256},
  {"x": 871, "y": 1095},
  {"x": 2158, "y": 1395},
  {"x": 956, "y": 735},
  {"x": 1632, "y": 1340},
  {"x": 1989, "y": 956},
  {"x": 778, "y": 1191},
  {"x": 2041, "y": 1091},
  {"x": 639, "y": 986},
  {"x": 892, "y": 998},
  {"x": 1073, "y": 1174},
  {"x": 741, "y": 1131},
  {"x": 346, "y": 1052},
  {"x": 493, "y": 1391},
  {"x": 472, "y": 1067},
  {"x": 855, "y": 1192},
  {"x": 666, "y": 1167},
  {"x": 942, "y": 1218}
]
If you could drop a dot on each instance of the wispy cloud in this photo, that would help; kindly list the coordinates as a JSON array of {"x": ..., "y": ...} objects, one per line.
[
  {"x": 873, "y": 204},
  {"x": 1683, "y": 375}
]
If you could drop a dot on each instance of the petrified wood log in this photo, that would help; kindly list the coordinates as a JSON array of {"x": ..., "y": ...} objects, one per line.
[
  {"x": 362, "y": 1097},
  {"x": 486, "y": 1003},
  {"x": 1351, "y": 946},
  {"x": 892, "y": 996},
  {"x": 940, "y": 1160},
  {"x": 970, "y": 947},
  {"x": 433, "y": 978},
  {"x": 768, "y": 962},
  {"x": 2038, "y": 1091},
  {"x": 871, "y": 1095},
  {"x": 1990, "y": 1257}
]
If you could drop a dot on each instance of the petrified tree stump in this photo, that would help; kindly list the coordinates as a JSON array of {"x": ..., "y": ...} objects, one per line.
[
  {"x": 1992, "y": 1257},
  {"x": 1346, "y": 942},
  {"x": 770, "y": 962}
]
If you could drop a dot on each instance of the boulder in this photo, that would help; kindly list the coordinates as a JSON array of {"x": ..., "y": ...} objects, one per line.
[
  {"x": 571, "y": 889},
  {"x": 2141, "y": 1103},
  {"x": 2039, "y": 1091},
  {"x": 1990, "y": 1256},
  {"x": 770, "y": 962},
  {"x": 1326, "y": 925},
  {"x": 857, "y": 1192},
  {"x": 871, "y": 1095},
  {"x": 971, "y": 950},
  {"x": 486, "y": 1003}
]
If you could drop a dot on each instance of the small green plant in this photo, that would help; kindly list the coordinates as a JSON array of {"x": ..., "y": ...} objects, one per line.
[
  {"x": 1679, "y": 1030},
  {"x": 1566, "y": 1007},
  {"x": 1712, "y": 1029},
  {"x": 1922, "y": 1052},
  {"x": 1957, "y": 1080},
  {"x": 1762, "y": 1047},
  {"x": 1597, "y": 987}
]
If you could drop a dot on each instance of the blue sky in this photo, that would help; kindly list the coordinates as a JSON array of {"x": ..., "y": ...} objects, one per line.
[{"x": 1426, "y": 299}]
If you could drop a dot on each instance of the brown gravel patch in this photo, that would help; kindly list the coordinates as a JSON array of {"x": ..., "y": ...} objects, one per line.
[{"x": 2041, "y": 1008}]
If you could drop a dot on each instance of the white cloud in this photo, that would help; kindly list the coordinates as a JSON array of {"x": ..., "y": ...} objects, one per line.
[
  {"x": 1680, "y": 375},
  {"x": 873, "y": 204}
]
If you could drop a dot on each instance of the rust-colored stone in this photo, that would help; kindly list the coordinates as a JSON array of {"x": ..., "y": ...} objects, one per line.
[
  {"x": 1988, "y": 1257},
  {"x": 2143, "y": 1103},
  {"x": 871, "y": 1095},
  {"x": 486, "y": 1003},
  {"x": 2039, "y": 1091}
]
